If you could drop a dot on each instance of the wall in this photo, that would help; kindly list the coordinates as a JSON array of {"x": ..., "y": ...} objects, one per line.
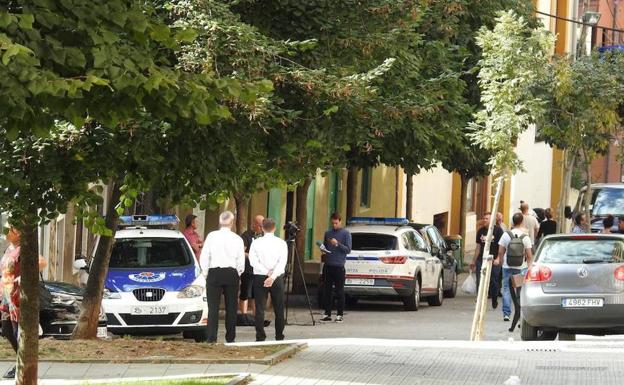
[
  {"x": 433, "y": 191},
  {"x": 534, "y": 184},
  {"x": 383, "y": 194}
]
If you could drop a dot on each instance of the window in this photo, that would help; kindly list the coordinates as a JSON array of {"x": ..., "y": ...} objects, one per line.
[
  {"x": 369, "y": 241},
  {"x": 150, "y": 253},
  {"x": 470, "y": 195},
  {"x": 365, "y": 187},
  {"x": 581, "y": 251},
  {"x": 420, "y": 243}
]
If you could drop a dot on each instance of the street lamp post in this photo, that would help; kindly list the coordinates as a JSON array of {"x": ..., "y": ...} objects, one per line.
[{"x": 590, "y": 18}]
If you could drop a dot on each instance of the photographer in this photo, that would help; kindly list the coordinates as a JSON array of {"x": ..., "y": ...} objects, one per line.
[{"x": 338, "y": 243}]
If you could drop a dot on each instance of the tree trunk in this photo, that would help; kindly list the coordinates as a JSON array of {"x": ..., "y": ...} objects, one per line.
[
  {"x": 28, "y": 352},
  {"x": 478, "y": 321},
  {"x": 351, "y": 191},
  {"x": 92, "y": 301},
  {"x": 569, "y": 159},
  {"x": 462, "y": 212},
  {"x": 242, "y": 205},
  {"x": 588, "y": 192},
  {"x": 409, "y": 195},
  {"x": 302, "y": 221}
]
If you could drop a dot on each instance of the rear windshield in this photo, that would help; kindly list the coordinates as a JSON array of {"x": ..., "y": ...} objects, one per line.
[
  {"x": 608, "y": 201},
  {"x": 370, "y": 241},
  {"x": 150, "y": 252},
  {"x": 581, "y": 251}
]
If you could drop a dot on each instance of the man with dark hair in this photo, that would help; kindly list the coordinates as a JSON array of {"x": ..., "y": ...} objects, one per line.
[
  {"x": 268, "y": 256},
  {"x": 337, "y": 241},
  {"x": 505, "y": 243},
  {"x": 190, "y": 233},
  {"x": 477, "y": 261},
  {"x": 580, "y": 224}
]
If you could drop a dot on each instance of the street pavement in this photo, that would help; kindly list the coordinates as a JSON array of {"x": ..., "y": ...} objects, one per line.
[{"x": 380, "y": 343}]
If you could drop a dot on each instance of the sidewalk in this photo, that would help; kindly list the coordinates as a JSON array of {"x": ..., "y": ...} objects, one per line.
[{"x": 373, "y": 361}]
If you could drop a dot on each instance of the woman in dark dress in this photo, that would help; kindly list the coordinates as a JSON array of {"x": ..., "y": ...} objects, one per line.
[{"x": 548, "y": 226}]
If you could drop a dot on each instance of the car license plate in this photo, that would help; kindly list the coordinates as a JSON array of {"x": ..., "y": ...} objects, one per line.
[
  {"x": 582, "y": 302},
  {"x": 102, "y": 332},
  {"x": 360, "y": 281},
  {"x": 149, "y": 310}
]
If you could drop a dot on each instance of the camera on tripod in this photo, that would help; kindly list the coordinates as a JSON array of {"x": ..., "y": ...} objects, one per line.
[{"x": 291, "y": 229}]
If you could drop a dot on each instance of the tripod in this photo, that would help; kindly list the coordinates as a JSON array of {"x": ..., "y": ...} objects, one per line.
[{"x": 293, "y": 259}]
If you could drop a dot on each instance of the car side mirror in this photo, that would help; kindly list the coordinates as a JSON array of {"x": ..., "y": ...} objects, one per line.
[
  {"x": 568, "y": 212},
  {"x": 454, "y": 246}
]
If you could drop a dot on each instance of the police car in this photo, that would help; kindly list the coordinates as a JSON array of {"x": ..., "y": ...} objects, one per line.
[
  {"x": 391, "y": 260},
  {"x": 154, "y": 283}
]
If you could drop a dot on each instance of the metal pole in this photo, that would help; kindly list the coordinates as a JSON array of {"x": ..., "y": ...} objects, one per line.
[{"x": 478, "y": 321}]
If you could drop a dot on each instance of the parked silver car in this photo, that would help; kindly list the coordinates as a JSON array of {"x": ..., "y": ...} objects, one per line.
[{"x": 575, "y": 286}]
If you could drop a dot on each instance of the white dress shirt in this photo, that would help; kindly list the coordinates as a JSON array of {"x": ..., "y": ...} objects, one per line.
[
  {"x": 223, "y": 248},
  {"x": 268, "y": 254}
]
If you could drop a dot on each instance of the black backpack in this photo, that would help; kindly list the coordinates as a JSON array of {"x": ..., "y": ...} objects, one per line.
[{"x": 515, "y": 250}]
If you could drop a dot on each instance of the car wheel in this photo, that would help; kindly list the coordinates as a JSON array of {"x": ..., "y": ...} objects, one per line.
[
  {"x": 196, "y": 335},
  {"x": 351, "y": 301},
  {"x": 439, "y": 297},
  {"x": 452, "y": 292},
  {"x": 528, "y": 332},
  {"x": 544, "y": 335},
  {"x": 412, "y": 301}
]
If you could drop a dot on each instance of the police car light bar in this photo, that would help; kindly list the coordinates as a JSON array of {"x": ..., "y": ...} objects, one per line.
[
  {"x": 149, "y": 220},
  {"x": 377, "y": 221}
]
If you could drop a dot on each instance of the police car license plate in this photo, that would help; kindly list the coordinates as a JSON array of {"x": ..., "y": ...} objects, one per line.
[
  {"x": 149, "y": 310},
  {"x": 102, "y": 332},
  {"x": 582, "y": 302},
  {"x": 360, "y": 281}
]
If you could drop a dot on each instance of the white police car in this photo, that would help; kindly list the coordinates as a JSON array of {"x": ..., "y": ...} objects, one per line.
[
  {"x": 154, "y": 283},
  {"x": 391, "y": 260}
]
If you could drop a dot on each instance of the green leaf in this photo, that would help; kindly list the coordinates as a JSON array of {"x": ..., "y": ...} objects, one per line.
[
  {"x": 187, "y": 35},
  {"x": 26, "y": 21},
  {"x": 330, "y": 110},
  {"x": 6, "y": 19},
  {"x": 9, "y": 53}
]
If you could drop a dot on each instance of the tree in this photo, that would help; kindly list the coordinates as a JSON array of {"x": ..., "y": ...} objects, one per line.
[
  {"x": 514, "y": 65},
  {"x": 583, "y": 115}
]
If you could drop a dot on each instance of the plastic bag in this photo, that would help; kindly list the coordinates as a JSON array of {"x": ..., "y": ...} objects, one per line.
[{"x": 470, "y": 285}]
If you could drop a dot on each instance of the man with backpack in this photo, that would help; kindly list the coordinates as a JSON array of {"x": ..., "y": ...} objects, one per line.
[{"x": 515, "y": 253}]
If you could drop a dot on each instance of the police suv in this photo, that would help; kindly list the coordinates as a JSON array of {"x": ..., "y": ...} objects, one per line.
[
  {"x": 391, "y": 260},
  {"x": 154, "y": 283}
]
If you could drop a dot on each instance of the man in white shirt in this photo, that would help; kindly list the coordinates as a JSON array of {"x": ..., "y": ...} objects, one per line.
[
  {"x": 508, "y": 271},
  {"x": 222, "y": 262},
  {"x": 268, "y": 256}
]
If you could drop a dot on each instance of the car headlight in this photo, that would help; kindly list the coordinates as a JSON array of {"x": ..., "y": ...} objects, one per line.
[
  {"x": 111, "y": 294},
  {"x": 63, "y": 299},
  {"x": 191, "y": 291}
]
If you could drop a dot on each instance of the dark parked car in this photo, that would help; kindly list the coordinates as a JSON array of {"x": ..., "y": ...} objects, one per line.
[
  {"x": 607, "y": 199},
  {"x": 60, "y": 308},
  {"x": 438, "y": 247}
]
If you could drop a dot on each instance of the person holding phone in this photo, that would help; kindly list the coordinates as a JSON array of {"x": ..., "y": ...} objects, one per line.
[{"x": 338, "y": 243}]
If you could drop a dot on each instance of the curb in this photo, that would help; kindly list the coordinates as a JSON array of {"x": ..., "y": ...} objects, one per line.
[
  {"x": 277, "y": 357},
  {"x": 241, "y": 379}
]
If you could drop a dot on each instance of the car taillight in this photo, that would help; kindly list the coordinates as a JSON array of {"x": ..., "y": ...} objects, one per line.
[
  {"x": 619, "y": 273},
  {"x": 393, "y": 260},
  {"x": 538, "y": 274}
]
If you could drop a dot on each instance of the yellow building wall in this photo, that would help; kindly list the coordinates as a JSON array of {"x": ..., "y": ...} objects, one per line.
[{"x": 383, "y": 193}]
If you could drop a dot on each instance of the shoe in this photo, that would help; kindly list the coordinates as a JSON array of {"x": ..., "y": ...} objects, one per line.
[
  {"x": 339, "y": 318},
  {"x": 506, "y": 318},
  {"x": 10, "y": 373},
  {"x": 279, "y": 338},
  {"x": 267, "y": 322},
  {"x": 260, "y": 339},
  {"x": 494, "y": 302},
  {"x": 327, "y": 318}
]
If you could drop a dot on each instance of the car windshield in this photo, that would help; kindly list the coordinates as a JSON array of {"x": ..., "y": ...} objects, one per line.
[
  {"x": 150, "y": 252},
  {"x": 577, "y": 251},
  {"x": 371, "y": 241},
  {"x": 608, "y": 201}
]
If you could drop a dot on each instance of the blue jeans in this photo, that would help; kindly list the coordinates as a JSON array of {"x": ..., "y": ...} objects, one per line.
[{"x": 507, "y": 273}]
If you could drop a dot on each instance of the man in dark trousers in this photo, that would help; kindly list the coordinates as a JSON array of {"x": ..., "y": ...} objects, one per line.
[
  {"x": 267, "y": 256},
  {"x": 337, "y": 241},
  {"x": 477, "y": 261},
  {"x": 222, "y": 261}
]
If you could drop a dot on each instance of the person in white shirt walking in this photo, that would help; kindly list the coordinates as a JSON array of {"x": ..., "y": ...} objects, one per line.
[
  {"x": 222, "y": 261},
  {"x": 268, "y": 256}
]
